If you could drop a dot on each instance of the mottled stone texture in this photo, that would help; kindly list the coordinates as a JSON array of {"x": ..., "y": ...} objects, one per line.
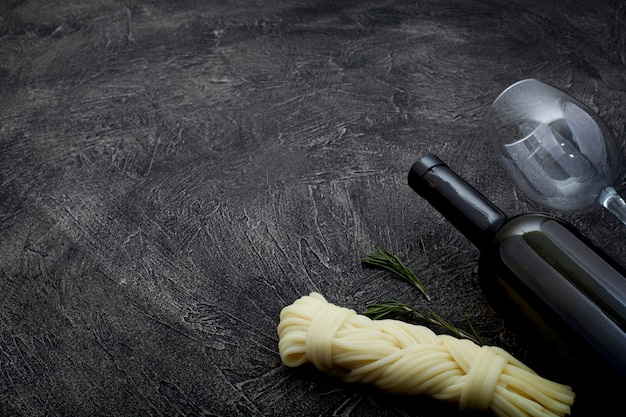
[{"x": 173, "y": 173}]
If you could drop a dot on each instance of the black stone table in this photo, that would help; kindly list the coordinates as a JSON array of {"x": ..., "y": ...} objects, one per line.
[{"x": 174, "y": 173}]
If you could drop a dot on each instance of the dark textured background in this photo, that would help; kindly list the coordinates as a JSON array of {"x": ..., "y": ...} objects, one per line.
[{"x": 173, "y": 173}]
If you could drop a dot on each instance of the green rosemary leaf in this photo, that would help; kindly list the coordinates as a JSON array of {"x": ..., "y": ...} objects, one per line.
[
  {"x": 386, "y": 260},
  {"x": 390, "y": 310},
  {"x": 472, "y": 335},
  {"x": 399, "y": 311},
  {"x": 474, "y": 331}
]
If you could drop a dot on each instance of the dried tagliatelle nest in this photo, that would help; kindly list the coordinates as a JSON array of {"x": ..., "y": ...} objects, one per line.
[{"x": 409, "y": 359}]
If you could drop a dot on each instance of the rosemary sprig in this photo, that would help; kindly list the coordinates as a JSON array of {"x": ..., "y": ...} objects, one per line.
[
  {"x": 386, "y": 260},
  {"x": 397, "y": 310},
  {"x": 400, "y": 311}
]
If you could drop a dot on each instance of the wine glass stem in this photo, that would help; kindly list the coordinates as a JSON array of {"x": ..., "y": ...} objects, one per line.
[{"x": 609, "y": 198}]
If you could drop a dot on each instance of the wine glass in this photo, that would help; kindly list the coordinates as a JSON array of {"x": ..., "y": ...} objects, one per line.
[{"x": 558, "y": 151}]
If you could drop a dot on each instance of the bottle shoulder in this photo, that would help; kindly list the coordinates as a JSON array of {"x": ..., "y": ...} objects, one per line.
[{"x": 525, "y": 224}]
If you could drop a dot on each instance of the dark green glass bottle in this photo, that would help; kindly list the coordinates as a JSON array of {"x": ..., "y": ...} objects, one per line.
[{"x": 541, "y": 271}]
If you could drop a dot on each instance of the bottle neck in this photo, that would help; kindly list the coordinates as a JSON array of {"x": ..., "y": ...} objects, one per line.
[{"x": 468, "y": 210}]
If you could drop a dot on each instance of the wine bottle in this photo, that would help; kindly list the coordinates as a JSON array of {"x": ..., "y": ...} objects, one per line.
[{"x": 540, "y": 270}]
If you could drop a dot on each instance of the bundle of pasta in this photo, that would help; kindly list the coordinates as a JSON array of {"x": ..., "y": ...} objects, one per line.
[{"x": 408, "y": 359}]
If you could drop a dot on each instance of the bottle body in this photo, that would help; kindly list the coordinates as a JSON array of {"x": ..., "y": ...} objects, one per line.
[
  {"x": 543, "y": 273},
  {"x": 540, "y": 271}
]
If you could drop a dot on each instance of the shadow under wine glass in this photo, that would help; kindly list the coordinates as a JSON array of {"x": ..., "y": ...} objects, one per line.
[{"x": 558, "y": 151}]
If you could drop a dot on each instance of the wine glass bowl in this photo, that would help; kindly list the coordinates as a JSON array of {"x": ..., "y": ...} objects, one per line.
[{"x": 558, "y": 151}]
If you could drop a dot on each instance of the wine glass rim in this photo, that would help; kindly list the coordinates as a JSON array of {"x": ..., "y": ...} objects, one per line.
[{"x": 515, "y": 85}]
